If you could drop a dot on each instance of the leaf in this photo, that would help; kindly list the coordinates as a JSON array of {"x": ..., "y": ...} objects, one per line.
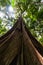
[{"x": 13, "y": 3}]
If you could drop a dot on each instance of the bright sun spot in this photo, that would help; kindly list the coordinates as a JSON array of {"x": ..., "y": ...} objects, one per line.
[
  {"x": 41, "y": 0},
  {"x": 10, "y": 9},
  {"x": 2, "y": 14}
]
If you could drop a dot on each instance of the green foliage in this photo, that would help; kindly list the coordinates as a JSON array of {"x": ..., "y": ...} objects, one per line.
[
  {"x": 31, "y": 14},
  {"x": 13, "y": 3},
  {"x": 2, "y": 28},
  {"x": 40, "y": 14},
  {"x": 4, "y": 2}
]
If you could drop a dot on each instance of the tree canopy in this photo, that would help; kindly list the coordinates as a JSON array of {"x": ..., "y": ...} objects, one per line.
[{"x": 31, "y": 11}]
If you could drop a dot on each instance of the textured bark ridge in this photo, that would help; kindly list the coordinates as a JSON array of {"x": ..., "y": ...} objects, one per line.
[{"x": 19, "y": 47}]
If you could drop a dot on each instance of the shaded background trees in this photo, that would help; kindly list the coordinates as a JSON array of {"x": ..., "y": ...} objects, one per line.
[{"x": 31, "y": 10}]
